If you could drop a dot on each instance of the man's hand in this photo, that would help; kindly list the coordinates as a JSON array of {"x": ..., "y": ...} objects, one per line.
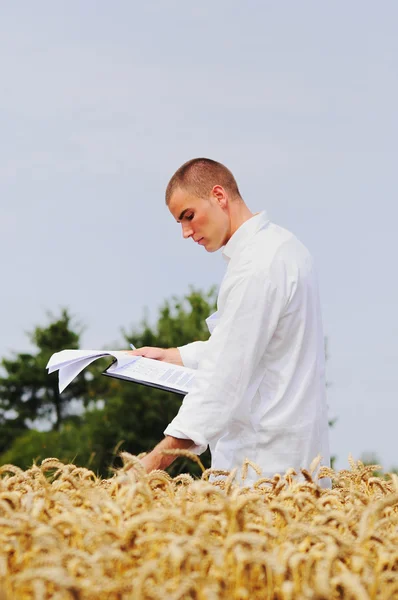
[
  {"x": 157, "y": 460},
  {"x": 170, "y": 355},
  {"x": 150, "y": 462}
]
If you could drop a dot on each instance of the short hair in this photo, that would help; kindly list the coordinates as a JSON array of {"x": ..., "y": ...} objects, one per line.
[{"x": 199, "y": 176}]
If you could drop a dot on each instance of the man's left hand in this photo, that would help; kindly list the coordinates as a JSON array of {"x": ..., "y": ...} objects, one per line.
[{"x": 157, "y": 460}]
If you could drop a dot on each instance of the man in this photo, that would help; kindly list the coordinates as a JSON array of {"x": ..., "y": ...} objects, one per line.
[{"x": 260, "y": 390}]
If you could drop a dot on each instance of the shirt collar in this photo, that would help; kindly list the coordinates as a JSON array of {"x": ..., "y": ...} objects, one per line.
[{"x": 241, "y": 236}]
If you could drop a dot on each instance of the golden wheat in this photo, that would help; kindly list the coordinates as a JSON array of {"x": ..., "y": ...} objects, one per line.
[{"x": 67, "y": 534}]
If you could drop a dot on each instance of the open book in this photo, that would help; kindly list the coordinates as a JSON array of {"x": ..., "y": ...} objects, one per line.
[{"x": 173, "y": 378}]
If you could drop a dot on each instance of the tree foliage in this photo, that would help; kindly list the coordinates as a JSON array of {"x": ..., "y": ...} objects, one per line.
[
  {"x": 118, "y": 414},
  {"x": 129, "y": 416},
  {"x": 29, "y": 395}
]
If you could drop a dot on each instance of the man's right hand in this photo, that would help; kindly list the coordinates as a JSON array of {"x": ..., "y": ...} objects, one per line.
[{"x": 170, "y": 355}]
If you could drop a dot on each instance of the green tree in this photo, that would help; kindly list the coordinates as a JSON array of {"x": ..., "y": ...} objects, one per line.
[
  {"x": 181, "y": 320},
  {"x": 27, "y": 393},
  {"x": 132, "y": 418},
  {"x": 147, "y": 411},
  {"x": 118, "y": 415}
]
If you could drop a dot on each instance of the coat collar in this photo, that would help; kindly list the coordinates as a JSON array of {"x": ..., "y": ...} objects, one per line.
[{"x": 243, "y": 234}]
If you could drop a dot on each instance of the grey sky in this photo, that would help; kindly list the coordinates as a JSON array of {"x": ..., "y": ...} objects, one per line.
[{"x": 99, "y": 104}]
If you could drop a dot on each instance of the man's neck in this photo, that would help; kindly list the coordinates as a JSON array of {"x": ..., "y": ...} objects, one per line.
[{"x": 239, "y": 214}]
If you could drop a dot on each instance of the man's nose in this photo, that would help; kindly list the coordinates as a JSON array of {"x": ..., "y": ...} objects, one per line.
[{"x": 187, "y": 231}]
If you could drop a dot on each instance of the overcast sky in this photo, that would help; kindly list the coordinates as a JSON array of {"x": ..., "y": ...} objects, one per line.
[{"x": 100, "y": 102}]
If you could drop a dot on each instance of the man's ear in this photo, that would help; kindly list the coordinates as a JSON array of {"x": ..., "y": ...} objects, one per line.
[{"x": 220, "y": 195}]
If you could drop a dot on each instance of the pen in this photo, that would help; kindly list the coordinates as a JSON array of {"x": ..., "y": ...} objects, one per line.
[{"x": 133, "y": 347}]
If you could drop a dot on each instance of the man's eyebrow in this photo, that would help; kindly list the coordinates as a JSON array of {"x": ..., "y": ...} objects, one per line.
[{"x": 182, "y": 214}]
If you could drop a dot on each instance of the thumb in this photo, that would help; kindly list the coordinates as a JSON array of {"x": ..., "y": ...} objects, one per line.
[
  {"x": 140, "y": 351},
  {"x": 149, "y": 352}
]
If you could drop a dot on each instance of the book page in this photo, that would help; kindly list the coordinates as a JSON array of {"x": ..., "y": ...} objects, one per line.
[
  {"x": 147, "y": 370},
  {"x": 65, "y": 358},
  {"x": 70, "y": 363},
  {"x": 68, "y": 372}
]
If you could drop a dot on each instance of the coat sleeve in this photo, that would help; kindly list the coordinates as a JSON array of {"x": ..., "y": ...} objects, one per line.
[
  {"x": 248, "y": 320},
  {"x": 192, "y": 353}
]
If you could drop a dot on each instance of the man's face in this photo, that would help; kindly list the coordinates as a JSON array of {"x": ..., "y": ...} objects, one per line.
[{"x": 205, "y": 220}]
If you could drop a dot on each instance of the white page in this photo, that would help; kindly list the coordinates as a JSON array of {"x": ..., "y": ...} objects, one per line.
[
  {"x": 156, "y": 372},
  {"x": 66, "y": 357},
  {"x": 70, "y": 363},
  {"x": 67, "y": 373}
]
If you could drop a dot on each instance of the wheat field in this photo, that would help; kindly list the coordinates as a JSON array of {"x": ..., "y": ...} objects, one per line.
[{"x": 66, "y": 534}]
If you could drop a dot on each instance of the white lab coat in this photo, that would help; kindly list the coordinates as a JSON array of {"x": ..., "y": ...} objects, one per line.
[{"x": 260, "y": 391}]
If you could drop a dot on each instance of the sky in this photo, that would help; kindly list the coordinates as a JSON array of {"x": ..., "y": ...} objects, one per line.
[{"x": 101, "y": 102}]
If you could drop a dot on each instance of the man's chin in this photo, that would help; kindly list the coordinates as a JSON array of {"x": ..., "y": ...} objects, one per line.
[{"x": 209, "y": 248}]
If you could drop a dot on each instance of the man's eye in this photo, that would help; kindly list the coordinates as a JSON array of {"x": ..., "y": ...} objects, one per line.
[{"x": 189, "y": 217}]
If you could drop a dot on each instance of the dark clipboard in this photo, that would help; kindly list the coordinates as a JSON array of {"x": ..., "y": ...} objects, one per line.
[{"x": 165, "y": 388}]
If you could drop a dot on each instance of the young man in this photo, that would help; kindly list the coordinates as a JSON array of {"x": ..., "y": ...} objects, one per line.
[{"x": 260, "y": 390}]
